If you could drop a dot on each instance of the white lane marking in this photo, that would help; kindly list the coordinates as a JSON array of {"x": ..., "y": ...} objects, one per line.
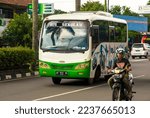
[
  {"x": 139, "y": 76},
  {"x": 70, "y": 92},
  {"x": 75, "y": 91}
]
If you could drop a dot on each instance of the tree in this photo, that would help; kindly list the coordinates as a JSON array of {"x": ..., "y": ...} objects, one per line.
[
  {"x": 127, "y": 11},
  {"x": 58, "y": 11},
  {"x": 115, "y": 10},
  {"x": 18, "y": 31},
  {"x": 148, "y": 3},
  {"x": 97, "y": 6},
  {"x": 92, "y": 6},
  {"x": 122, "y": 11}
]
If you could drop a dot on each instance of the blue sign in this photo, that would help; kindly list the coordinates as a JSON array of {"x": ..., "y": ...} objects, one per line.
[{"x": 139, "y": 24}]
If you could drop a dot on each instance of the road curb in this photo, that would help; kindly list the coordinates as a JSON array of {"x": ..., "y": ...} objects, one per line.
[{"x": 11, "y": 76}]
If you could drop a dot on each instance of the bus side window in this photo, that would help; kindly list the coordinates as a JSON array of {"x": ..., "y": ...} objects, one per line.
[
  {"x": 103, "y": 30},
  {"x": 111, "y": 33},
  {"x": 95, "y": 37},
  {"x": 120, "y": 32}
]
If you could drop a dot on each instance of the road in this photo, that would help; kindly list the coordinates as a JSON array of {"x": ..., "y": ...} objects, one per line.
[{"x": 43, "y": 89}]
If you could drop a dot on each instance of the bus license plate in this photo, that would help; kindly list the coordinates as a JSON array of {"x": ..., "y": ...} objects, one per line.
[{"x": 61, "y": 73}]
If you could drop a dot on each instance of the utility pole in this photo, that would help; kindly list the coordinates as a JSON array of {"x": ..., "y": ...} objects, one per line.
[
  {"x": 35, "y": 28},
  {"x": 77, "y": 5},
  {"x": 105, "y": 5}
]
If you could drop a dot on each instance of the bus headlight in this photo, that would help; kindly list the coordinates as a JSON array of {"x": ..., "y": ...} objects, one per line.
[
  {"x": 82, "y": 66},
  {"x": 44, "y": 65}
]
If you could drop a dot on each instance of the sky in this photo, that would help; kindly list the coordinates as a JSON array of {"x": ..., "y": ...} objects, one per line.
[{"x": 69, "y": 5}]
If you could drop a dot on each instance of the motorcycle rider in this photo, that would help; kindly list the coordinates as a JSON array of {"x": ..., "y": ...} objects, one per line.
[{"x": 124, "y": 63}]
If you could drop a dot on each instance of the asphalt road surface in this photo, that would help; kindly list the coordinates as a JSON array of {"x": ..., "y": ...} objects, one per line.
[{"x": 42, "y": 89}]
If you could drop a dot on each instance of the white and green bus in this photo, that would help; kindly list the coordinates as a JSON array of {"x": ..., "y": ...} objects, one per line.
[{"x": 80, "y": 45}]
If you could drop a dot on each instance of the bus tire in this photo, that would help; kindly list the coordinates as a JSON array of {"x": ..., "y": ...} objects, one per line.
[
  {"x": 97, "y": 73},
  {"x": 56, "y": 80},
  {"x": 89, "y": 81}
]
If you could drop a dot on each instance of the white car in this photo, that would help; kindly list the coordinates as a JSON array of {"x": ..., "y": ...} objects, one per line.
[{"x": 140, "y": 50}]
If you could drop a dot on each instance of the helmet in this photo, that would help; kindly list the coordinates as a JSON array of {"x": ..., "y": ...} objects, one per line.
[{"x": 120, "y": 50}]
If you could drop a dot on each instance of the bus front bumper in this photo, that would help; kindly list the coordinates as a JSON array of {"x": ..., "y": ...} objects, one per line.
[{"x": 65, "y": 73}]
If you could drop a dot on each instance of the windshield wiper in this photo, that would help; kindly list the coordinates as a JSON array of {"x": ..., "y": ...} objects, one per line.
[
  {"x": 63, "y": 48},
  {"x": 55, "y": 48},
  {"x": 75, "y": 50}
]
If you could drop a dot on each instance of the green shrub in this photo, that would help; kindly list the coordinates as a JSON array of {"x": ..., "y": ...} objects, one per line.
[
  {"x": 15, "y": 58},
  {"x": 19, "y": 31}
]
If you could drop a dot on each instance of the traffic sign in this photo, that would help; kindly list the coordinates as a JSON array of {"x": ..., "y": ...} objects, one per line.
[
  {"x": 29, "y": 8},
  {"x": 43, "y": 8},
  {"x": 144, "y": 9},
  {"x": 48, "y": 8}
]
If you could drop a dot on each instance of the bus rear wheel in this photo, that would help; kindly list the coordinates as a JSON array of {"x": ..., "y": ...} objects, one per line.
[{"x": 56, "y": 80}]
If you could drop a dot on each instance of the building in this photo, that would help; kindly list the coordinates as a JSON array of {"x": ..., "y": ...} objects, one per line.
[{"x": 9, "y": 7}]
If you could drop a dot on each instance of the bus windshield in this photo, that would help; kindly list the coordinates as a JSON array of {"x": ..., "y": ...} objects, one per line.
[{"x": 65, "y": 36}]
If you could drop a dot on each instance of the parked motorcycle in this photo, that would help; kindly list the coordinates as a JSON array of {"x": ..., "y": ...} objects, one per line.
[{"x": 119, "y": 92}]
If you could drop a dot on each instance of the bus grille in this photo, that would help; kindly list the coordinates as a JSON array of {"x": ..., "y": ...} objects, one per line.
[{"x": 65, "y": 67}]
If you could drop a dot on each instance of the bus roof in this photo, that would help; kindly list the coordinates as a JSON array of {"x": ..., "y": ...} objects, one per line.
[{"x": 90, "y": 16}]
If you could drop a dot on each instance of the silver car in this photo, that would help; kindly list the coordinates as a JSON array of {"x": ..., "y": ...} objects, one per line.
[{"x": 140, "y": 50}]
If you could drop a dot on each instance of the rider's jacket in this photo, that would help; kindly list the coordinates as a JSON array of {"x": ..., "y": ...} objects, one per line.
[{"x": 121, "y": 63}]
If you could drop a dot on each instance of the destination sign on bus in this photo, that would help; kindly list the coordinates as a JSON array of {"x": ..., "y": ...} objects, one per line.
[{"x": 66, "y": 23}]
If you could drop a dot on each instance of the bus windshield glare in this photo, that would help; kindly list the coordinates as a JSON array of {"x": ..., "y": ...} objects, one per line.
[{"x": 65, "y": 36}]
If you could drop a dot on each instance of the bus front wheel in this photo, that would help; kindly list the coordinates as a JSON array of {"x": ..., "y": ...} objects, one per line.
[
  {"x": 90, "y": 81},
  {"x": 97, "y": 73},
  {"x": 56, "y": 80}
]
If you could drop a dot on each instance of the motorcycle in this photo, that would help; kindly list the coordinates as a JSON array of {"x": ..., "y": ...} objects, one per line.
[{"x": 118, "y": 90}]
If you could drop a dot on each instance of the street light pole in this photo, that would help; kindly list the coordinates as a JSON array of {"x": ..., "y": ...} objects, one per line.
[
  {"x": 106, "y": 6},
  {"x": 35, "y": 27},
  {"x": 77, "y": 5}
]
